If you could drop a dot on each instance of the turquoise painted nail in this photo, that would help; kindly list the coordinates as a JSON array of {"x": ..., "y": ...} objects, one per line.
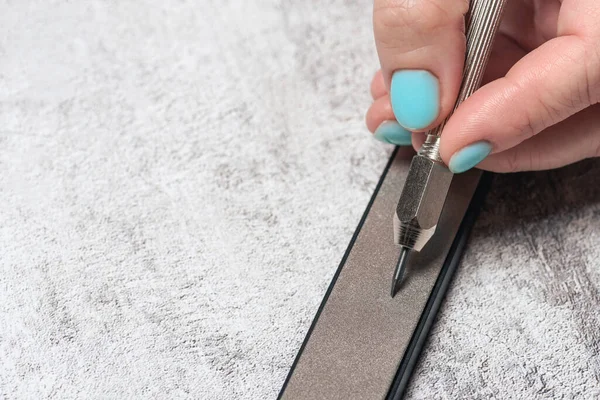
[
  {"x": 391, "y": 132},
  {"x": 415, "y": 97},
  {"x": 468, "y": 157}
]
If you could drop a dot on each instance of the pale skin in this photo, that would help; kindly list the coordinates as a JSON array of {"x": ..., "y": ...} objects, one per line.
[{"x": 538, "y": 106}]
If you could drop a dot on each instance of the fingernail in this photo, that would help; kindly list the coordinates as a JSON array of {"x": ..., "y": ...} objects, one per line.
[
  {"x": 415, "y": 97},
  {"x": 393, "y": 133},
  {"x": 469, "y": 156}
]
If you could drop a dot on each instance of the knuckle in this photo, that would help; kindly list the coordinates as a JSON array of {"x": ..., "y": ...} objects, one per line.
[
  {"x": 549, "y": 114},
  {"x": 511, "y": 161},
  {"x": 525, "y": 127},
  {"x": 585, "y": 52},
  {"x": 528, "y": 121},
  {"x": 592, "y": 74}
]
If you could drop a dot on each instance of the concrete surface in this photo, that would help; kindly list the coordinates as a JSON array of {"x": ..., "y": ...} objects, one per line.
[{"x": 179, "y": 181}]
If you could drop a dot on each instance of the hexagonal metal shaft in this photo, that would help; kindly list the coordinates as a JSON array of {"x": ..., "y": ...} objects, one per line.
[{"x": 421, "y": 202}]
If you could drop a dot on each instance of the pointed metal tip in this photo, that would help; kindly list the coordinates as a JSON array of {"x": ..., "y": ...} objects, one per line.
[{"x": 399, "y": 272}]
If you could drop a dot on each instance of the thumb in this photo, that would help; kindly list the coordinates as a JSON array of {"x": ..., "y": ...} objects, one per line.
[
  {"x": 421, "y": 47},
  {"x": 550, "y": 84}
]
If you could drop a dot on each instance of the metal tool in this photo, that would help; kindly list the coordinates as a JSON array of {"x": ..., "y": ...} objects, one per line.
[{"x": 428, "y": 180}]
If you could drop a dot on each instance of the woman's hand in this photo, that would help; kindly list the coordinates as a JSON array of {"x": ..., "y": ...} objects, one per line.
[{"x": 538, "y": 108}]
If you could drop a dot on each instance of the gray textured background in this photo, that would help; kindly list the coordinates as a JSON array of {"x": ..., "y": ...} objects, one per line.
[{"x": 179, "y": 181}]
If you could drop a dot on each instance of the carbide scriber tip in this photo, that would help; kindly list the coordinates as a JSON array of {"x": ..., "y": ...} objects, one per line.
[{"x": 399, "y": 272}]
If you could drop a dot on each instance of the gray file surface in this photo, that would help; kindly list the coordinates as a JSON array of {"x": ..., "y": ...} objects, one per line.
[{"x": 361, "y": 334}]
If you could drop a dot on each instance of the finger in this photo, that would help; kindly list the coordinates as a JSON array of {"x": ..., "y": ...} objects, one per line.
[
  {"x": 380, "y": 121},
  {"x": 378, "y": 86},
  {"x": 380, "y": 110},
  {"x": 548, "y": 85},
  {"x": 421, "y": 47},
  {"x": 572, "y": 140}
]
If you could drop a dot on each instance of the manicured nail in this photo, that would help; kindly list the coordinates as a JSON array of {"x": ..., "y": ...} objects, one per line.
[
  {"x": 469, "y": 156},
  {"x": 415, "y": 97},
  {"x": 393, "y": 133}
]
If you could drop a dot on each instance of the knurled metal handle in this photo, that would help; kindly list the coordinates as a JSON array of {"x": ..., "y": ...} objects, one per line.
[{"x": 482, "y": 24}]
